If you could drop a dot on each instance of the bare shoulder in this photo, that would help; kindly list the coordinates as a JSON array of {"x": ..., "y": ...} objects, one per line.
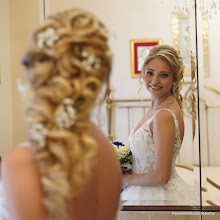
[
  {"x": 101, "y": 139},
  {"x": 18, "y": 158},
  {"x": 106, "y": 151},
  {"x": 18, "y": 166},
  {"x": 164, "y": 122},
  {"x": 21, "y": 180},
  {"x": 163, "y": 117},
  {"x": 109, "y": 175},
  {"x": 96, "y": 132},
  {"x": 107, "y": 154}
]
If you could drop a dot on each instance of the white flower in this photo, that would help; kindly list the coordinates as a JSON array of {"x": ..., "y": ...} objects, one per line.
[
  {"x": 47, "y": 37},
  {"x": 90, "y": 60},
  {"x": 22, "y": 87},
  {"x": 65, "y": 115},
  {"x": 38, "y": 134},
  {"x": 26, "y": 91},
  {"x": 122, "y": 150},
  {"x": 85, "y": 53}
]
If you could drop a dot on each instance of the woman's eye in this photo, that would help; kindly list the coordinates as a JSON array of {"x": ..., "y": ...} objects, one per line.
[
  {"x": 164, "y": 75},
  {"x": 149, "y": 72}
]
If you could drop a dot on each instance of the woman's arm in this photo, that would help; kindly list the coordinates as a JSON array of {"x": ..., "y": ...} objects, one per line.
[
  {"x": 22, "y": 186},
  {"x": 163, "y": 130}
]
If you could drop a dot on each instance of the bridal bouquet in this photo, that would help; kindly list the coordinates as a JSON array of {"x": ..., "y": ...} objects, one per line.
[{"x": 123, "y": 152}]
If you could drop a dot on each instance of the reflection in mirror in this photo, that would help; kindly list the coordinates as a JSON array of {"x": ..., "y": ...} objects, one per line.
[
  {"x": 125, "y": 107},
  {"x": 185, "y": 157}
]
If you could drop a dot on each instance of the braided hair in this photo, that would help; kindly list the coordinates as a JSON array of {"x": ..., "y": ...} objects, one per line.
[{"x": 67, "y": 63}]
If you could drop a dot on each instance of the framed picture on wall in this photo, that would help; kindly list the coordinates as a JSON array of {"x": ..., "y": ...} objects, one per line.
[
  {"x": 181, "y": 40},
  {"x": 139, "y": 49}
]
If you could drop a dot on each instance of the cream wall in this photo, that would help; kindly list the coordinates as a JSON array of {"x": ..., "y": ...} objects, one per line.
[
  {"x": 6, "y": 137},
  {"x": 17, "y": 20},
  {"x": 25, "y": 16}
]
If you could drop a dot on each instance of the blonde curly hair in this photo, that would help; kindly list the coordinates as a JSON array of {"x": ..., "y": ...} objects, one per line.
[
  {"x": 174, "y": 59},
  {"x": 69, "y": 57}
]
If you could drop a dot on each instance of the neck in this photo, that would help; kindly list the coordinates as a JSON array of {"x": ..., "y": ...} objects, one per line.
[{"x": 155, "y": 104}]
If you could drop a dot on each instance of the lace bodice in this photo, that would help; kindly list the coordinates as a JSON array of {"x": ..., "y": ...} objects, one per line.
[
  {"x": 143, "y": 150},
  {"x": 176, "y": 191}
]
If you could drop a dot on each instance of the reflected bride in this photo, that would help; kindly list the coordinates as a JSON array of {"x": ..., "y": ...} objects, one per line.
[{"x": 156, "y": 140}]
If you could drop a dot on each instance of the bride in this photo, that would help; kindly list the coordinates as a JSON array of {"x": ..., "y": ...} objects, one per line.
[
  {"x": 66, "y": 169},
  {"x": 156, "y": 140}
]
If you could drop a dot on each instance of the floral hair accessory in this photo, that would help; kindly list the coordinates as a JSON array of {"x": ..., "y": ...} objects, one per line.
[
  {"x": 47, "y": 37},
  {"x": 38, "y": 134},
  {"x": 65, "y": 115},
  {"x": 90, "y": 60},
  {"x": 22, "y": 87},
  {"x": 25, "y": 90}
]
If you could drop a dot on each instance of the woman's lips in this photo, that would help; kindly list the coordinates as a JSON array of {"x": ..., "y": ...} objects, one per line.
[{"x": 155, "y": 87}]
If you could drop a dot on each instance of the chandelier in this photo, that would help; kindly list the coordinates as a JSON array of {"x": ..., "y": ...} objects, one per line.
[{"x": 211, "y": 7}]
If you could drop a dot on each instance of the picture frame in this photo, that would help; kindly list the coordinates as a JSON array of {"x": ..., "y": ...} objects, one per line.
[
  {"x": 139, "y": 49},
  {"x": 181, "y": 40}
]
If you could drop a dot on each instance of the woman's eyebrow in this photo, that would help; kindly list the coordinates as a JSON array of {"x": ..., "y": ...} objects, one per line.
[
  {"x": 164, "y": 71},
  {"x": 150, "y": 69}
]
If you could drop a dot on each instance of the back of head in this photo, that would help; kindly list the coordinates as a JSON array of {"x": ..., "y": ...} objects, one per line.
[
  {"x": 67, "y": 63},
  {"x": 172, "y": 56}
]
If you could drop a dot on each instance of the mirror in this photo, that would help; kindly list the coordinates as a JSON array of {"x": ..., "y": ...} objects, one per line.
[
  {"x": 143, "y": 22},
  {"x": 129, "y": 20}
]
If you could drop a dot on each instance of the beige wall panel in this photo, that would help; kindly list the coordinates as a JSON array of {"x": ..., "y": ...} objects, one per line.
[
  {"x": 24, "y": 17},
  {"x": 5, "y": 78}
]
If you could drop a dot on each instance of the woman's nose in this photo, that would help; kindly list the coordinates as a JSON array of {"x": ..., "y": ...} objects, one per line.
[{"x": 155, "y": 79}]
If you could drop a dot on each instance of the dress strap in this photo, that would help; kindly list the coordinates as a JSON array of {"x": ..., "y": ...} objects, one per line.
[{"x": 176, "y": 123}]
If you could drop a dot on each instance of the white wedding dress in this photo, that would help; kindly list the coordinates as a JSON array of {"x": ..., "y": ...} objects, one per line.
[
  {"x": 176, "y": 191},
  {"x": 3, "y": 206}
]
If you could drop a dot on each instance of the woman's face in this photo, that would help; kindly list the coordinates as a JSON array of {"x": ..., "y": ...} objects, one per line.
[{"x": 158, "y": 77}]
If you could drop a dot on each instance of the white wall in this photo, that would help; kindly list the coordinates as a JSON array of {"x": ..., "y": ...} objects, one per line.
[{"x": 128, "y": 19}]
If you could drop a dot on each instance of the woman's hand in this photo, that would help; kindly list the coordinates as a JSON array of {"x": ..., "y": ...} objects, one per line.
[{"x": 125, "y": 178}]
